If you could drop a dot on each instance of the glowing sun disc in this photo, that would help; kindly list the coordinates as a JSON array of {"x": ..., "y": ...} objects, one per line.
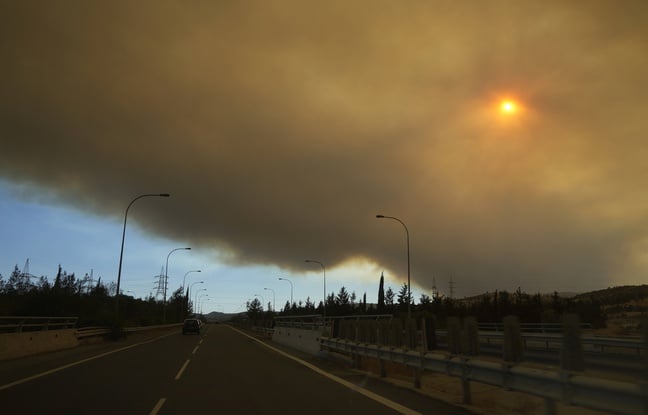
[{"x": 508, "y": 107}]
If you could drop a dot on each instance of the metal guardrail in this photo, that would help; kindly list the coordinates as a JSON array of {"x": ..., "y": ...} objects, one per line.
[
  {"x": 554, "y": 341},
  {"x": 18, "y": 324},
  {"x": 616, "y": 397},
  {"x": 531, "y": 327}
]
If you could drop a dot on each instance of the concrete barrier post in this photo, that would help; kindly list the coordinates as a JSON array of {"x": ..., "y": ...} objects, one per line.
[
  {"x": 513, "y": 349},
  {"x": 571, "y": 356}
]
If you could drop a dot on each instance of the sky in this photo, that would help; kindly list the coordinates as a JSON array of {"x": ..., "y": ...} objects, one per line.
[{"x": 281, "y": 129}]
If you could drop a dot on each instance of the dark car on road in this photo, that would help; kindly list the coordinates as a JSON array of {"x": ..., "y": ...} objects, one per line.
[{"x": 191, "y": 325}]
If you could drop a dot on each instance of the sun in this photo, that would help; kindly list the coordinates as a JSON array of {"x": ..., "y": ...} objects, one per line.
[{"x": 508, "y": 107}]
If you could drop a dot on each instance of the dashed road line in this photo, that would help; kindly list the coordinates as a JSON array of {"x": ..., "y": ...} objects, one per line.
[
  {"x": 182, "y": 369},
  {"x": 157, "y": 406},
  {"x": 195, "y": 350}
]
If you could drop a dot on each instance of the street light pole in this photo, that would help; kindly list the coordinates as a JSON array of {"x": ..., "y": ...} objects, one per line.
[
  {"x": 409, "y": 292},
  {"x": 191, "y": 287},
  {"x": 184, "y": 279},
  {"x": 121, "y": 253},
  {"x": 166, "y": 282},
  {"x": 323, "y": 268},
  {"x": 291, "y": 289},
  {"x": 183, "y": 287},
  {"x": 200, "y": 300},
  {"x": 196, "y": 298},
  {"x": 274, "y": 305}
]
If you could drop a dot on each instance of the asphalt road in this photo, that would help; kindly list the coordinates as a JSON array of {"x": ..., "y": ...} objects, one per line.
[{"x": 221, "y": 371}]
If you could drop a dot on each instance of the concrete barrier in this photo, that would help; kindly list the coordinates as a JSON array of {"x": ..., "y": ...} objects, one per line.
[
  {"x": 13, "y": 345},
  {"x": 305, "y": 340}
]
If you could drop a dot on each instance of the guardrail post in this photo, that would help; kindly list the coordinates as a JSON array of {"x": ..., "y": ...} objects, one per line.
[
  {"x": 370, "y": 330},
  {"x": 396, "y": 333},
  {"x": 550, "y": 407},
  {"x": 454, "y": 335},
  {"x": 513, "y": 349},
  {"x": 644, "y": 351},
  {"x": 571, "y": 355},
  {"x": 471, "y": 336},
  {"x": 383, "y": 332},
  {"x": 465, "y": 382},
  {"x": 416, "y": 372},
  {"x": 429, "y": 334},
  {"x": 409, "y": 341}
]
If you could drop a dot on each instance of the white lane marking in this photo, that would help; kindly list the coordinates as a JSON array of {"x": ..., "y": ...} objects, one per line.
[
  {"x": 49, "y": 372},
  {"x": 371, "y": 395},
  {"x": 157, "y": 406},
  {"x": 201, "y": 340},
  {"x": 195, "y": 349},
  {"x": 182, "y": 369}
]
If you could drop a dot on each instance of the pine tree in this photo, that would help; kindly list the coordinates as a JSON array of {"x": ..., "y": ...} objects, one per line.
[
  {"x": 389, "y": 297},
  {"x": 381, "y": 294},
  {"x": 403, "y": 296}
]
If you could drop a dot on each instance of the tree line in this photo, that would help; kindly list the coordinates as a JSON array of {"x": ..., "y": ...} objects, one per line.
[
  {"x": 92, "y": 302},
  {"x": 489, "y": 307}
]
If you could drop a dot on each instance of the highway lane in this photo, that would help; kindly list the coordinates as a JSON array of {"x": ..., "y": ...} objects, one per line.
[
  {"x": 126, "y": 382},
  {"x": 234, "y": 374},
  {"x": 222, "y": 370}
]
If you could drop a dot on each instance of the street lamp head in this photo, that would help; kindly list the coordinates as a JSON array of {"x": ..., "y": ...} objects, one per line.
[
  {"x": 164, "y": 195},
  {"x": 187, "y": 248},
  {"x": 380, "y": 216},
  {"x": 280, "y": 279}
]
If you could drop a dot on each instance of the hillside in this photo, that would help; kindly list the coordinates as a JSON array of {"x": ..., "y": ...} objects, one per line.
[{"x": 616, "y": 295}]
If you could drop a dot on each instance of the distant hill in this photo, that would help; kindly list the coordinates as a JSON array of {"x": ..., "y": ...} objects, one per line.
[
  {"x": 607, "y": 296},
  {"x": 216, "y": 316},
  {"x": 478, "y": 297},
  {"x": 615, "y": 295}
]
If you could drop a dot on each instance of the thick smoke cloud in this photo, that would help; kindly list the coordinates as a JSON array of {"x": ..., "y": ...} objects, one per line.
[{"x": 282, "y": 128}]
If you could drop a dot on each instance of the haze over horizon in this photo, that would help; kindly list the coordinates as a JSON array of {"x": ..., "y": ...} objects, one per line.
[{"x": 282, "y": 128}]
